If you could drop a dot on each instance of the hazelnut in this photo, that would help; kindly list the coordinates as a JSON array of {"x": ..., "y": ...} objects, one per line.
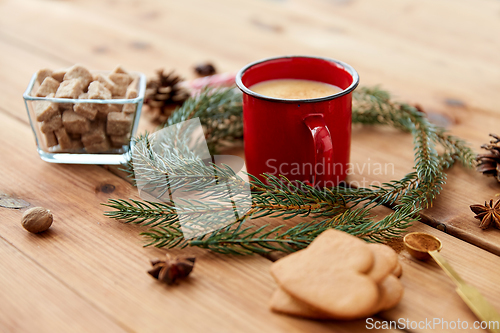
[{"x": 37, "y": 219}]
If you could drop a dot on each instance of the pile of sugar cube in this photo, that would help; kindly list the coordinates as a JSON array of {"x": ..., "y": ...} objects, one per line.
[{"x": 85, "y": 127}]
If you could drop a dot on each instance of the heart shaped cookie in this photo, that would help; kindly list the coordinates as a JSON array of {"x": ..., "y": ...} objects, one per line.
[
  {"x": 337, "y": 277},
  {"x": 385, "y": 262},
  {"x": 329, "y": 275}
]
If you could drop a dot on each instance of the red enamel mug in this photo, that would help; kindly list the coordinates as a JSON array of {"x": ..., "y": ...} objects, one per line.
[{"x": 302, "y": 139}]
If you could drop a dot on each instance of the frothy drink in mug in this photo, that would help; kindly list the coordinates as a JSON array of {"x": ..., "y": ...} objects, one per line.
[
  {"x": 297, "y": 118},
  {"x": 294, "y": 89}
]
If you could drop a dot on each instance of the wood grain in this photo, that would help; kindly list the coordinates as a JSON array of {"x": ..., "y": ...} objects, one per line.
[
  {"x": 33, "y": 300},
  {"x": 441, "y": 54},
  {"x": 392, "y": 148},
  {"x": 105, "y": 262}
]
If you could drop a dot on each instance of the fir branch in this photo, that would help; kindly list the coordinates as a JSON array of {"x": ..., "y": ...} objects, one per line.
[
  {"x": 220, "y": 113},
  {"x": 342, "y": 208},
  {"x": 235, "y": 239}
]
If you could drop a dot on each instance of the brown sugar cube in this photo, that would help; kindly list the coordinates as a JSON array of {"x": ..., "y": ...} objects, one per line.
[
  {"x": 131, "y": 93},
  {"x": 76, "y": 145},
  {"x": 44, "y": 110},
  {"x": 110, "y": 85},
  {"x": 69, "y": 89},
  {"x": 115, "y": 108},
  {"x": 134, "y": 83},
  {"x": 103, "y": 112},
  {"x": 50, "y": 139},
  {"x": 121, "y": 78},
  {"x": 98, "y": 147},
  {"x": 129, "y": 108},
  {"x": 119, "y": 123},
  {"x": 42, "y": 74},
  {"x": 52, "y": 124},
  {"x": 86, "y": 109},
  {"x": 119, "y": 140},
  {"x": 96, "y": 134},
  {"x": 100, "y": 107},
  {"x": 97, "y": 90},
  {"x": 96, "y": 106},
  {"x": 75, "y": 136},
  {"x": 119, "y": 69},
  {"x": 59, "y": 74},
  {"x": 102, "y": 115},
  {"x": 121, "y": 83},
  {"x": 65, "y": 106},
  {"x": 75, "y": 123},
  {"x": 81, "y": 73},
  {"x": 63, "y": 138},
  {"x": 73, "y": 145},
  {"x": 48, "y": 86}
]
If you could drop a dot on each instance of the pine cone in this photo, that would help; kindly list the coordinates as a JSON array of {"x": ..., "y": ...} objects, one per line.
[
  {"x": 164, "y": 94},
  {"x": 489, "y": 164}
]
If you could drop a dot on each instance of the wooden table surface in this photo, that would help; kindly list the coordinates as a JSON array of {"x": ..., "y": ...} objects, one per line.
[{"x": 88, "y": 273}]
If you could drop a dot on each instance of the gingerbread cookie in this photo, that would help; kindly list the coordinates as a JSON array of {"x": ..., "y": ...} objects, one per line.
[
  {"x": 282, "y": 302},
  {"x": 337, "y": 277},
  {"x": 386, "y": 260},
  {"x": 391, "y": 291},
  {"x": 398, "y": 271},
  {"x": 329, "y": 275}
]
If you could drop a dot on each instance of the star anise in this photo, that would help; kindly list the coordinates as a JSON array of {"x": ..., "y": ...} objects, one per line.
[
  {"x": 171, "y": 269},
  {"x": 488, "y": 214}
]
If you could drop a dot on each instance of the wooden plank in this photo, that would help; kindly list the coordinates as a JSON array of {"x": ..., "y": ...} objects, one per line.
[
  {"x": 472, "y": 124},
  {"x": 17, "y": 68},
  {"x": 103, "y": 259},
  {"x": 431, "y": 52},
  {"x": 405, "y": 58},
  {"x": 105, "y": 42},
  {"x": 35, "y": 301},
  {"x": 463, "y": 187},
  {"x": 392, "y": 34},
  {"x": 186, "y": 44},
  {"x": 104, "y": 179}
]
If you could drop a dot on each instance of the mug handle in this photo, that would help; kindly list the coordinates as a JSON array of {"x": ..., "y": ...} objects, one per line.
[{"x": 322, "y": 141}]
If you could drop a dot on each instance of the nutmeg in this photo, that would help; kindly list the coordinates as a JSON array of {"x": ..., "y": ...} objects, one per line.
[{"x": 37, "y": 219}]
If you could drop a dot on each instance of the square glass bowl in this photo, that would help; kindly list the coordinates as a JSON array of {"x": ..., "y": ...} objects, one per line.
[{"x": 113, "y": 150}]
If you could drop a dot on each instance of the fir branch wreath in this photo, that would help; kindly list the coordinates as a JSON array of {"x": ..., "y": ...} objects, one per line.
[{"x": 343, "y": 208}]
